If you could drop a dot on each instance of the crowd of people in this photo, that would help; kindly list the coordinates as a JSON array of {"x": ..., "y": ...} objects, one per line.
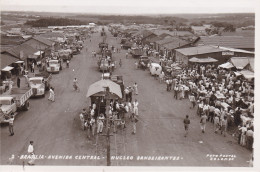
[
  {"x": 222, "y": 98},
  {"x": 120, "y": 113}
]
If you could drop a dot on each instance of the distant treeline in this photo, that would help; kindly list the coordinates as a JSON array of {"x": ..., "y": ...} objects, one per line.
[
  {"x": 129, "y": 19},
  {"x": 45, "y": 22}
]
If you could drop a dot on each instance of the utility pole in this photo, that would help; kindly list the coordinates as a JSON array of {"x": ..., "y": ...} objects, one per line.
[{"x": 107, "y": 93}]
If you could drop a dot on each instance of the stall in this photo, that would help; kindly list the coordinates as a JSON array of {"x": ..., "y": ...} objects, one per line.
[{"x": 97, "y": 93}]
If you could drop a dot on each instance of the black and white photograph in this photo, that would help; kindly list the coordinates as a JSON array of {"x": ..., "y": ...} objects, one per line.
[{"x": 113, "y": 85}]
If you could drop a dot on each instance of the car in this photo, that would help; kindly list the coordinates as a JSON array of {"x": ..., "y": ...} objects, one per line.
[{"x": 155, "y": 69}]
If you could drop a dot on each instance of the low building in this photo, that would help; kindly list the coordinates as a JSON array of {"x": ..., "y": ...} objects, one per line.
[
  {"x": 222, "y": 54},
  {"x": 240, "y": 42},
  {"x": 199, "y": 30}
]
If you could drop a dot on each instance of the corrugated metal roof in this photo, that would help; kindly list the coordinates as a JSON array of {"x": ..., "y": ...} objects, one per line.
[
  {"x": 228, "y": 41},
  {"x": 7, "y": 60},
  {"x": 199, "y": 50},
  {"x": 176, "y": 44},
  {"x": 43, "y": 40},
  {"x": 165, "y": 40},
  {"x": 25, "y": 49}
]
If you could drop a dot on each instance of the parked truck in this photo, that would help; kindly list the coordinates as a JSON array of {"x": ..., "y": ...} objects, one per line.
[
  {"x": 40, "y": 83},
  {"x": 53, "y": 66},
  {"x": 17, "y": 99}
]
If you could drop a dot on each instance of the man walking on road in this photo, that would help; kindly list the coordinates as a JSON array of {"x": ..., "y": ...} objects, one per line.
[
  {"x": 18, "y": 82},
  {"x": 135, "y": 88},
  {"x": 186, "y": 122},
  {"x": 51, "y": 97},
  {"x": 11, "y": 124},
  {"x": 31, "y": 153},
  {"x": 135, "y": 120},
  {"x": 135, "y": 104},
  {"x": 203, "y": 120},
  {"x": 120, "y": 63}
]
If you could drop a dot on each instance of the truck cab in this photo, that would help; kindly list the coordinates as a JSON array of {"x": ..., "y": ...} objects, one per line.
[
  {"x": 54, "y": 66},
  {"x": 8, "y": 107},
  {"x": 38, "y": 86}
]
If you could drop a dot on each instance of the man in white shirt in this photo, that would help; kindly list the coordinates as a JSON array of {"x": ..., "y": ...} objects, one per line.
[
  {"x": 11, "y": 124},
  {"x": 135, "y": 105},
  {"x": 31, "y": 153},
  {"x": 100, "y": 122}
]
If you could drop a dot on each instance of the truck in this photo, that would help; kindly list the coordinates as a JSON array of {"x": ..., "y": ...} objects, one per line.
[
  {"x": 40, "y": 84},
  {"x": 65, "y": 54},
  {"x": 103, "y": 65},
  {"x": 136, "y": 52},
  {"x": 119, "y": 80},
  {"x": 53, "y": 66},
  {"x": 17, "y": 99}
]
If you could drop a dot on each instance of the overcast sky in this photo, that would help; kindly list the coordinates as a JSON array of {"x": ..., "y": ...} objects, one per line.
[{"x": 131, "y": 6}]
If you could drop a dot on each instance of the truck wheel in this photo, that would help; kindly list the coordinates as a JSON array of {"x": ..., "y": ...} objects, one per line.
[
  {"x": 26, "y": 106},
  {"x": 43, "y": 94}
]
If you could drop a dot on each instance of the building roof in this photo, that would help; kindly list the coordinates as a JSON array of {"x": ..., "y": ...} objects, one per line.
[
  {"x": 198, "y": 28},
  {"x": 25, "y": 49},
  {"x": 241, "y": 62},
  {"x": 176, "y": 44},
  {"x": 228, "y": 41},
  {"x": 43, "y": 40},
  {"x": 7, "y": 59},
  {"x": 199, "y": 50},
  {"x": 165, "y": 40},
  {"x": 52, "y": 35},
  {"x": 11, "y": 40}
]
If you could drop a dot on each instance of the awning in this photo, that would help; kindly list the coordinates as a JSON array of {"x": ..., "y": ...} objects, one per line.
[
  {"x": 227, "y": 65},
  {"x": 38, "y": 53},
  {"x": 239, "y": 62},
  {"x": 99, "y": 87},
  {"x": 247, "y": 74},
  {"x": 7, "y": 68},
  {"x": 203, "y": 60},
  {"x": 19, "y": 61}
]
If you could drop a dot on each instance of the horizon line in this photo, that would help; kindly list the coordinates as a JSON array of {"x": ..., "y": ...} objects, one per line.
[{"x": 107, "y": 13}]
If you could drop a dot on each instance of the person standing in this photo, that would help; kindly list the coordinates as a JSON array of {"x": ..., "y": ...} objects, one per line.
[
  {"x": 136, "y": 65},
  {"x": 176, "y": 89},
  {"x": 82, "y": 121},
  {"x": 203, "y": 120},
  {"x": 216, "y": 123},
  {"x": 68, "y": 63},
  {"x": 87, "y": 126},
  {"x": 224, "y": 126},
  {"x": 51, "y": 97},
  {"x": 135, "y": 120},
  {"x": 135, "y": 105},
  {"x": 100, "y": 121},
  {"x": 11, "y": 124},
  {"x": 186, "y": 122},
  {"x": 92, "y": 126},
  {"x": 33, "y": 67},
  {"x": 18, "y": 82},
  {"x": 130, "y": 94},
  {"x": 126, "y": 55},
  {"x": 192, "y": 100},
  {"x": 135, "y": 88},
  {"x": 31, "y": 153},
  {"x": 120, "y": 62}
]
